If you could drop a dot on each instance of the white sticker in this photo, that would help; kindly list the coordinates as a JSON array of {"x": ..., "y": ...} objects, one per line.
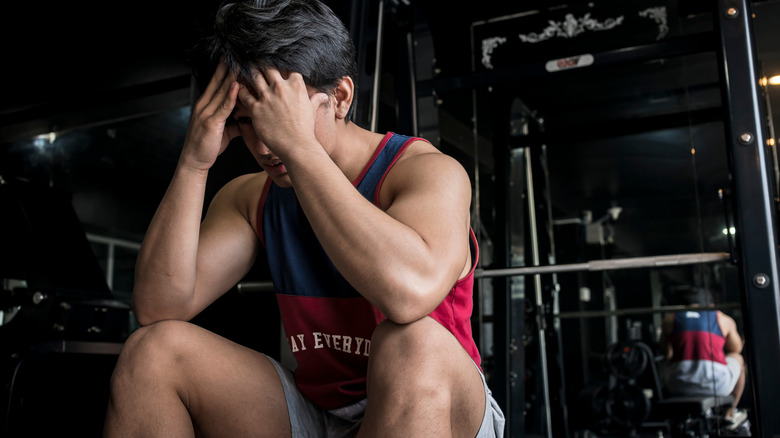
[{"x": 568, "y": 63}]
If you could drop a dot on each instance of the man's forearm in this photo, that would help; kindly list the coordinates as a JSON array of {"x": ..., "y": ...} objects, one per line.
[
  {"x": 383, "y": 258},
  {"x": 166, "y": 266}
]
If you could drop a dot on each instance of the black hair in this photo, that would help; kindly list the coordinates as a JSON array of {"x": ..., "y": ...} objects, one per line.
[
  {"x": 303, "y": 36},
  {"x": 697, "y": 295}
]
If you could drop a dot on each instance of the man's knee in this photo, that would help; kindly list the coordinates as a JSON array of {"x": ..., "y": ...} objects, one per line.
[
  {"x": 419, "y": 339},
  {"x": 740, "y": 360},
  {"x": 417, "y": 353},
  {"x": 736, "y": 356},
  {"x": 161, "y": 338},
  {"x": 402, "y": 365},
  {"x": 151, "y": 351},
  {"x": 421, "y": 369}
]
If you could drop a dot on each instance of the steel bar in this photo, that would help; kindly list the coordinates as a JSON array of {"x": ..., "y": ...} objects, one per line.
[
  {"x": 113, "y": 241},
  {"x": 608, "y": 265},
  {"x": 531, "y": 201},
  {"x": 641, "y": 310},
  {"x": 255, "y": 286},
  {"x": 412, "y": 82},
  {"x": 377, "y": 67}
]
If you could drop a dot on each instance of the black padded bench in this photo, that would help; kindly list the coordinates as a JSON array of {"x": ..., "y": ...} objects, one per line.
[
  {"x": 683, "y": 407},
  {"x": 693, "y": 416}
]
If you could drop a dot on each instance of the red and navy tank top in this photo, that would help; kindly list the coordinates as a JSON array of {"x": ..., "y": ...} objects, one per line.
[
  {"x": 697, "y": 336},
  {"x": 328, "y": 324}
]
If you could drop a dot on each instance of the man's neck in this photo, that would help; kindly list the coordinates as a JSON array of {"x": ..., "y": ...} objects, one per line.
[{"x": 355, "y": 147}]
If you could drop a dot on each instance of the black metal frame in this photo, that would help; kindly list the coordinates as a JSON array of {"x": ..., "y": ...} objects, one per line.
[
  {"x": 755, "y": 208},
  {"x": 673, "y": 47}
]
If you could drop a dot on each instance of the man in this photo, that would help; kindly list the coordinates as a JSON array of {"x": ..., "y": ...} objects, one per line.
[
  {"x": 369, "y": 246},
  {"x": 703, "y": 352}
]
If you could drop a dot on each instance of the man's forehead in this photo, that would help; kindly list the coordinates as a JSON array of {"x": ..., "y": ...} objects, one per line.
[{"x": 239, "y": 110}]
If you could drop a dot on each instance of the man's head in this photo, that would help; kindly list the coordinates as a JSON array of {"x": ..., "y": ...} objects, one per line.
[
  {"x": 697, "y": 295},
  {"x": 302, "y": 36}
]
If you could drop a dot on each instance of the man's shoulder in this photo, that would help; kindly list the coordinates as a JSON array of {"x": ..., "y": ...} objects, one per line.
[
  {"x": 243, "y": 192},
  {"x": 422, "y": 152},
  {"x": 422, "y": 167},
  {"x": 246, "y": 183},
  {"x": 724, "y": 318},
  {"x": 423, "y": 162},
  {"x": 420, "y": 145}
]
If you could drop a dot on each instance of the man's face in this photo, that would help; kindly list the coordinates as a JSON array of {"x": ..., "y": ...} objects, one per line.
[{"x": 270, "y": 162}]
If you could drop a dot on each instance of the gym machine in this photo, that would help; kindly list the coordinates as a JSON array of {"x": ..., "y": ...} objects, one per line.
[
  {"x": 519, "y": 296},
  {"x": 61, "y": 328}
]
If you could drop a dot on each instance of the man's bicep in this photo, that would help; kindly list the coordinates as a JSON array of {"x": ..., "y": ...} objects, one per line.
[
  {"x": 227, "y": 249},
  {"x": 733, "y": 338},
  {"x": 435, "y": 204}
]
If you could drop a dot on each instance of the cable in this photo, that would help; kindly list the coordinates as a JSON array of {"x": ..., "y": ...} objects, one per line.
[{"x": 712, "y": 358}]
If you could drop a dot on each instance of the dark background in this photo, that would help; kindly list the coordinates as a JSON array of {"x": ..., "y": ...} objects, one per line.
[{"x": 110, "y": 80}]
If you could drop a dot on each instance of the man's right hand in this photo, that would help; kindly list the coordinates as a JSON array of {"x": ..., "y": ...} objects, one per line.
[{"x": 209, "y": 133}]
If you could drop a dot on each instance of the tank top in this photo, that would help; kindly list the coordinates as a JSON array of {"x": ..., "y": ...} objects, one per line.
[
  {"x": 327, "y": 323},
  {"x": 697, "y": 336},
  {"x": 698, "y": 365}
]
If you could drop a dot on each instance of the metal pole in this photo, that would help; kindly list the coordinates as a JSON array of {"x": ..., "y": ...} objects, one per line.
[
  {"x": 642, "y": 310},
  {"x": 540, "y": 321},
  {"x": 113, "y": 241},
  {"x": 412, "y": 82},
  {"x": 756, "y": 225},
  {"x": 377, "y": 65},
  {"x": 255, "y": 286},
  {"x": 612, "y": 264},
  {"x": 110, "y": 266}
]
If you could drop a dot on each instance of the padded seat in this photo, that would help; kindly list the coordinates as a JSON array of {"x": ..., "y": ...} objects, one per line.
[{"x": 682, "y": 407}]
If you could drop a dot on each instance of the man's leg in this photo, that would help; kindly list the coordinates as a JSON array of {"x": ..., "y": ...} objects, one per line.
[
  {"x": 421, "y": 382},
  {"x": 739, "y": 388},
  {"x": 174, "y": 379}
]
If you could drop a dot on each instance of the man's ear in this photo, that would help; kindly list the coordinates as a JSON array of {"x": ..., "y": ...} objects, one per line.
[{"x": 344, "y": 93}]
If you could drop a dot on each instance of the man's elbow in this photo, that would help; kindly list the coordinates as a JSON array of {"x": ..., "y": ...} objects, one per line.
[
  {"x": 143, "y": 315},
  {"x": 149, "y": 305},
  {"x": 403, "y": 318},
  {"x": 147, "y": 312},
  {"x": 737, "y": 348},
  {"x": 411, "y": 305}
]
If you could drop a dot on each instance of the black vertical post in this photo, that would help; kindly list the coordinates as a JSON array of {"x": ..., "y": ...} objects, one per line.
[
  {"x": 404, "y": 72},
  {"x": 559, "y": 422},
  {"x": 755, "y": 209},
  {"x": 502, "y": 302},
  {"x": 363, "y": 25}
]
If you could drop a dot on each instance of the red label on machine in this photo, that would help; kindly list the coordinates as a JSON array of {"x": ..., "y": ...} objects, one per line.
[{"x": 568, "y": 63}]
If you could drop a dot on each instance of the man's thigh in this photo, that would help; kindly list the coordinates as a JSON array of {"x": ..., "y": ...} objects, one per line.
[{"x": 735, "y": 370}]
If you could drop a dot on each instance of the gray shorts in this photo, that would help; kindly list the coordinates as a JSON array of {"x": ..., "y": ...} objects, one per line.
[
  {"x": 735, "y": 370},
  {"x": 702, "y": 378},
  {"x": 309, "y": 420}
]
